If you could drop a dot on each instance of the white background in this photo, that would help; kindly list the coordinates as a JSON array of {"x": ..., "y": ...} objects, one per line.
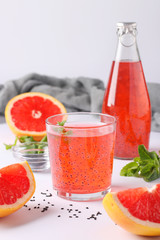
[{"x": 74, "y": 37}]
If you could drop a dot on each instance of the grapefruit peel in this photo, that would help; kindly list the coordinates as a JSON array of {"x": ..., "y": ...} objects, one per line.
[{"x": 122, "y": 217}]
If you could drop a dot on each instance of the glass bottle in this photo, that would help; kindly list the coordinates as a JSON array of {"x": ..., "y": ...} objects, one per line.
[{"x": 126, "y": 96}]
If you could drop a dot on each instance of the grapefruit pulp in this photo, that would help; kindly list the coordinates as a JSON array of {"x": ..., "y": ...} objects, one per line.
[
  {"x": 26, "y": 113},
  {"x": 17, "y": 185},
  {"x": 136, "y": 210}
]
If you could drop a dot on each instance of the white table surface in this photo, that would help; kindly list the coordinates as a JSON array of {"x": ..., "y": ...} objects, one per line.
[{"x": 34, "y": 224}]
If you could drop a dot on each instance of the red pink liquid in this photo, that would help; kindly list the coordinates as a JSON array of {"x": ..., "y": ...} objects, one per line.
[
  {"x": 127, "y": 99},
  {"x": 82, "y": 161}
]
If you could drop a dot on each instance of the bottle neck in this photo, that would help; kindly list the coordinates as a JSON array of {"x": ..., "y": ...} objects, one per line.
[{"x": 127, "y": 49}]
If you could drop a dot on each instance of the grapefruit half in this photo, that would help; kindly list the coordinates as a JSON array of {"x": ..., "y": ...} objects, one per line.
[
  {"x": 136, "y": 210},
  {"x": 26, "y": 113},
  {"x": 17, "y": 185}
]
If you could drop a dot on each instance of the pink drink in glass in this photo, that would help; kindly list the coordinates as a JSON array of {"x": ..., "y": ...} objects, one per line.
[{"x": 81, "y": 157}]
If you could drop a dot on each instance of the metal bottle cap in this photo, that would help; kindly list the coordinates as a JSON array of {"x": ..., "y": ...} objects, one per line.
[
  {"x": 126, "y": 24},
  {"x": 122, "y": 24},
  {"x": 127, "y": 33}
]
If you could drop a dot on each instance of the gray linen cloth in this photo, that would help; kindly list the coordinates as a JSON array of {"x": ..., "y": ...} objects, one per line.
[{"x": 77, "y": 94}]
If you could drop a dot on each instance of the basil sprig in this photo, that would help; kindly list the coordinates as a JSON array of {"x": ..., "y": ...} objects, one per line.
[{"x": 146, "y": 166}]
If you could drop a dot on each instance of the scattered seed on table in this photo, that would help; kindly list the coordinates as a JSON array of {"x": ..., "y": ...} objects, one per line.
[
  {"x": 98, "y": 213},
  {"x": 69, "y": 210},
  {"x": 43, "y": 193},
  {"x": 92, "y": 217},
  {"x": 49, "y": 195},
  {"x": 72, "y": 213},
  {"x": 44, "y": 209}
]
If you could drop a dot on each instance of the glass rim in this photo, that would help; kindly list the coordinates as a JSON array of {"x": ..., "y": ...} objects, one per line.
[{"x": 82, "y": 113}]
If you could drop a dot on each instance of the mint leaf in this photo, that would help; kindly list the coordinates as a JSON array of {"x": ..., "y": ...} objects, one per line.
[
  {"x": 62, "y": 130},
  {"x": 44, "y": 139},
  {"x": 30, "y": 143},
  {"x": 70, "y": 132},
  {"x": 61, "y": 123},
  {"x": 24, "y": 139},
  {"x": 144, "y": 154},
  {"x": 146, "y": 169},
  {"x": 131, "y": 169},
  {"x": 9, "y": 146},
  {"x": 151, "y": 176},
  {"x": 137, "y": 159},
  {"x": 146, "y": 166}
]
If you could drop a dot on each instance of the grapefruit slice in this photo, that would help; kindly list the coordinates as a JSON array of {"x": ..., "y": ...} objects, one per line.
[
  {"x": 17, "y": 185},
  {"x": 136, "y": 210},
  {"x": 26, "y": 113}
]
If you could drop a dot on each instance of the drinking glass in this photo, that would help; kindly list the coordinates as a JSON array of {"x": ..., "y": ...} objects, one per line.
[{"x": 81, "y": 150}]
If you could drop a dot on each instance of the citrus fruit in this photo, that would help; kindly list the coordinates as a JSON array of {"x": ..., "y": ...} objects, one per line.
[
  {"x": 17, "y": 185},
  {"x": 136, "y": 210},
  {"x": 26, "y": 113}
]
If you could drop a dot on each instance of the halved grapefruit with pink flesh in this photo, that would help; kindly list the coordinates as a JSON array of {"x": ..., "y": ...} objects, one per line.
[
  {"x": 17, "y": 186},
  {"x": 26, "y": 113},
  {"x": 136, "y": 210}
]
